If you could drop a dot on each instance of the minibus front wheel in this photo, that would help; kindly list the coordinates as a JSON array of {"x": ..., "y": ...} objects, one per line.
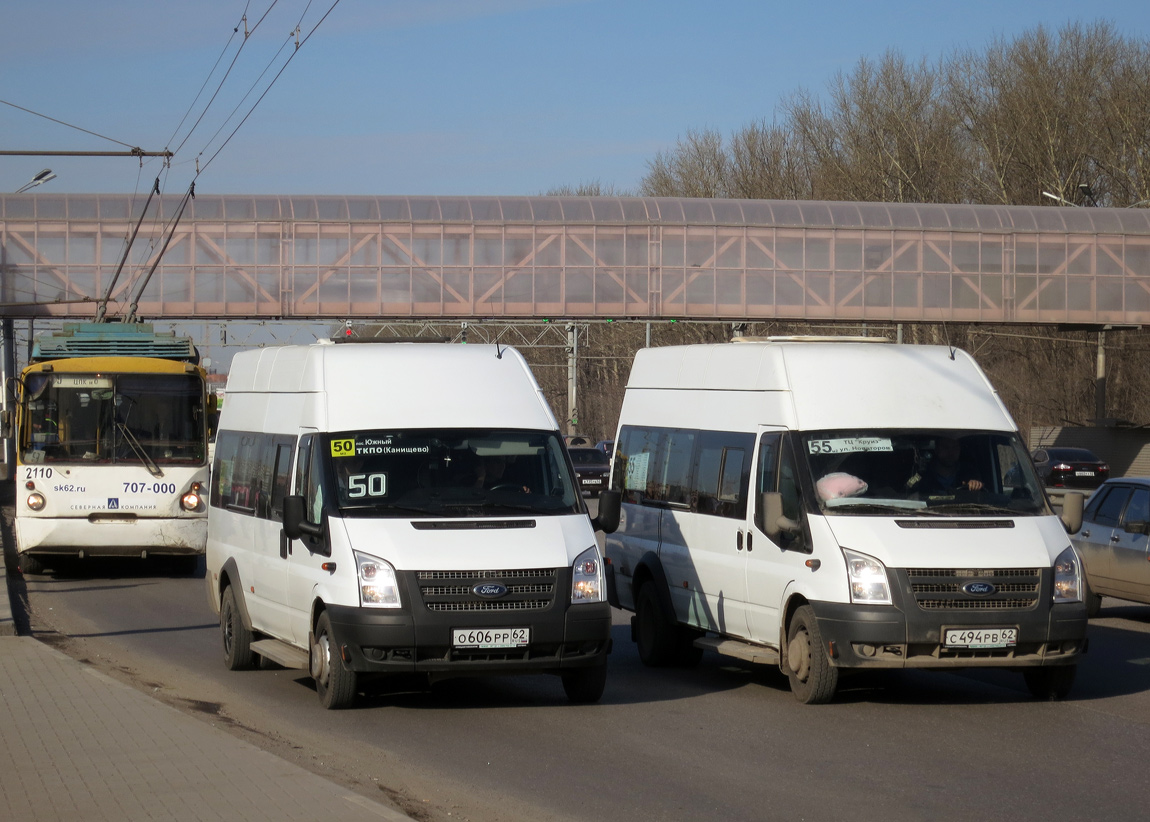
[
  {"x": 585, "y": 685},
  {"x": 813, "y": 678},
  {"x": 238, "y": 654},
  {"x": 334, "y": 683},
  {"x": 1052, "y": 683}
]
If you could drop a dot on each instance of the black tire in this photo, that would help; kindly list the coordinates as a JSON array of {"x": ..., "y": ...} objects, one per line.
[
  {"x": 813, "y": 678},
  {"x": 655, "y": 637},
  {"x": 238, "y": 654},
  {"x": 1093, "y": 601},
  {"x": 31, "y": 565},
  {"x": 686, "y": 654},
  {"x": 1050, "y": 684},
  {"x": 585, "y": 685},
  {"x": 334, "y": 683}
]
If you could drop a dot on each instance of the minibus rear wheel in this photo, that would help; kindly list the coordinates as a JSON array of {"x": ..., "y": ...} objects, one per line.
[
  {"x": 655, "y": 636},
  {"x": 813, "y": 678},
  {"x": 334, "y": 683},
  {"x": 238, "y": 654}
]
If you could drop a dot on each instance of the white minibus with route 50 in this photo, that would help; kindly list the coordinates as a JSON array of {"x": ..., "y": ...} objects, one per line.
[
  {"x": 388, "y": 508},
  {"x": 829, "y": 505}
]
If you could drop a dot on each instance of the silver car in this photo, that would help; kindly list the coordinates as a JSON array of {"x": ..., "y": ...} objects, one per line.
[{"x": 1114, "y": 544}]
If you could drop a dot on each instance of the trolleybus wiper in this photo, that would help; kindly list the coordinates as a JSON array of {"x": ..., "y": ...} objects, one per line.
[{"x": 149, "y": 463}]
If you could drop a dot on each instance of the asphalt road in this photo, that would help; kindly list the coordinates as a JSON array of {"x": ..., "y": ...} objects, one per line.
[{"x": 723, "y": 740}]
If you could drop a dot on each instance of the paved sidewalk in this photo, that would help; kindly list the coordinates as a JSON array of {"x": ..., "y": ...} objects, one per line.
[{"x": 76, "y": 744}]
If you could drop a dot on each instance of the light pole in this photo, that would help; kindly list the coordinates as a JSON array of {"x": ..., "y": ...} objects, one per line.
[{"x": 8, "y": 339}]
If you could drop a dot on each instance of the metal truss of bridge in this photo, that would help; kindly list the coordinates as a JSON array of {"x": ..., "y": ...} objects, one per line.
[{"x": 523, "y": 258}]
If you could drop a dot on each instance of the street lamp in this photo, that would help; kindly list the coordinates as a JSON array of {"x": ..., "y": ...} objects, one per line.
[
  {"x": 8, "y": 347},
  {"x": 1059, "y": 199},
  {"x": 43, "y": 177}
]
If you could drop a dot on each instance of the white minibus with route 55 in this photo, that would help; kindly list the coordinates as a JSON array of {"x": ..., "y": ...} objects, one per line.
[
  {"x": 389, "y": 508},
  {"x": 828, "y": 505}
]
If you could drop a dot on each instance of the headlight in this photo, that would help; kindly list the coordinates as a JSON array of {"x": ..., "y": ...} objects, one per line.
[
  {"x": 192, "y": 499},
  {"x": 35, "y": 501},
  {"x": 377, "y": 585},
  {"x": 1067, "y": 577},
  {"x": 867, "y": 578},
  {"x": 587, "y": 577}
]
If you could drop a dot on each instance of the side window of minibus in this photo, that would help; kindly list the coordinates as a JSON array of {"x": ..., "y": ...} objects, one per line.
[
  {"x": 778, "y": 472},
  {"x": 637, "y": 463},
  {"x": 280, "y": 477},
  {"x": 314, "y": 494}
]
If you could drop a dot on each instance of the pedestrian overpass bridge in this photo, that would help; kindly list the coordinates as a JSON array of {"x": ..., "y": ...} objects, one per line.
[{"x": 587, "y": 258}]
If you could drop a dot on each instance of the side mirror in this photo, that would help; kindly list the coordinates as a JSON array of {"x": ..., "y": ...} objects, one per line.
[
  {"x": 1072, "y": 504},
  {"x": 1142, "y": 528},
  {"x": 610, "y": 505},
  {"x": 769, "y": 516},
  {"x": 295, "y": 519}
]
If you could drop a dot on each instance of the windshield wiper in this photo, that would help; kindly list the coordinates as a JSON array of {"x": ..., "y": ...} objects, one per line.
[
  {"x": 130, "y": 438},
  {"x": 874, "y": 507}
]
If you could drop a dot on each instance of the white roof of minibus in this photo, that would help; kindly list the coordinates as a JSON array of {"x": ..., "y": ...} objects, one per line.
[
  {"x": 836, "y": 384},
  {"x": 401, "y": 385}
]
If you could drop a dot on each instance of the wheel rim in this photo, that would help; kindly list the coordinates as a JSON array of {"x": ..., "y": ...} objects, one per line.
[
  {"x": 229, "y": 633},
  {"x": 799, "y": 655},
  {"x": 320, "y": 659}
]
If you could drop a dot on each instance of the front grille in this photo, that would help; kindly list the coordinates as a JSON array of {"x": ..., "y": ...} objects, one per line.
[
  {"x": 941, "y": 589},
  {"x": 527, "y": 590}
]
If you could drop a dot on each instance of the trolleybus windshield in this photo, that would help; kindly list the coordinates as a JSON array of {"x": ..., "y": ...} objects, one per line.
[{"x": 154, "y": 419}]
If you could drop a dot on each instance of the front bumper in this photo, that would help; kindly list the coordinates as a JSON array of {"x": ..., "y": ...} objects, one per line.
[
  {"x": 376, "y": 641},
  {"x": 909, "y": 633}
]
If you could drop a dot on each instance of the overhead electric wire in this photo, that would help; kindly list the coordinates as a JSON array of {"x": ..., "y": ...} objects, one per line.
[
  {"x": 69, "y": 125},
  {"x": 169, "y": 228},
  {"x": 223, "y": 51},
  {"x": 272, "y": 83},
  {"x": 219, "y": 86}
]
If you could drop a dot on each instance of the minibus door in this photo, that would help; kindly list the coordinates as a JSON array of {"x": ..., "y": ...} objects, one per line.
[
  {"x": 772, "y": 563},
  {"x": 303, "y": 557},
  {"x": 700, "y": 545},
  {"x": 269, "y": 559}
]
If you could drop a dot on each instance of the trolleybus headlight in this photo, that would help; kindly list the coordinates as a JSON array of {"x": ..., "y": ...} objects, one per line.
[
  {"x": 192, "y": 500},
  {"x": 587, "y": 577},
  {"x": 1068, "y": 577},
  {"x": 377, "y": 584},
  {"x": 35, "y": 501},
  {"x": 867, "y": 578}
]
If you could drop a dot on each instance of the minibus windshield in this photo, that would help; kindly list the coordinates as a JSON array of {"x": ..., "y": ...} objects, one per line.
[
  {"x": 911, "y": 472},
  {"x": 451, "y": 473}
]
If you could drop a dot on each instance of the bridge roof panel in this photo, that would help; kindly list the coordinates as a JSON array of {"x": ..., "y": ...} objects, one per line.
[{"x": 587, "y": 210}]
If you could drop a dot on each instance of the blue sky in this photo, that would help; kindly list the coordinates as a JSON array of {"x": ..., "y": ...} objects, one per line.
[{"x": 442, "y": 96}]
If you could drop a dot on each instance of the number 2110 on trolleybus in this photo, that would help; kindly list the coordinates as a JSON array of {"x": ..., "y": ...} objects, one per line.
[{"x": 111, "y": 447}]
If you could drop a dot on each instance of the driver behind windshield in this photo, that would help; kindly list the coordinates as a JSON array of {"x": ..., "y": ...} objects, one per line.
[{"x": 945, "y": 473}]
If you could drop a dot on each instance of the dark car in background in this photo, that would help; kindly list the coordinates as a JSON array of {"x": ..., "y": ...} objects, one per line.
[
  {"x": 592, "y": 468},
  {"x": 1076, "y": 468},
  {"x": 606, "y": 446},
  {"x": 1114, "y": 542}
]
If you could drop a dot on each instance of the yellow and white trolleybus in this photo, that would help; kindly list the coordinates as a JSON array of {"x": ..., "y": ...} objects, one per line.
[{"x": 111, "y": 446}]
